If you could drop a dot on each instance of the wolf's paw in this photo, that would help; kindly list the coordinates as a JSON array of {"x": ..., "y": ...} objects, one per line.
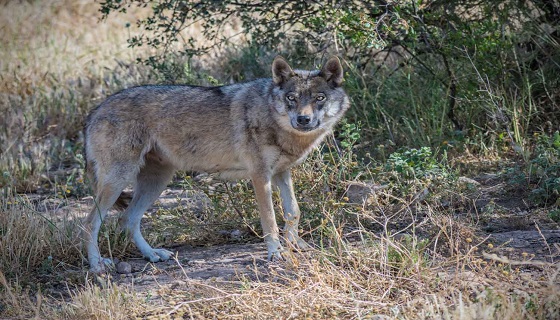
[
  {"x": 298, "y": 243},
  {"x": 157, "y": 255},
  {"x": 275, "y": 251},
  {"x": 275, "y": 256},
  {"x": 101, "y": 266}
]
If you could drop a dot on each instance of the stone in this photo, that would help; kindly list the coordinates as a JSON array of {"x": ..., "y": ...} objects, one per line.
[
  {"x": 468, "y": 182},
  {"x": 124, "y": 268},
  {"x": 359, "y": 192}
]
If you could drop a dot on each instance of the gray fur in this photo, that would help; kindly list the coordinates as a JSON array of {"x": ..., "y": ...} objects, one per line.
[{"x": 142, "y": 135}]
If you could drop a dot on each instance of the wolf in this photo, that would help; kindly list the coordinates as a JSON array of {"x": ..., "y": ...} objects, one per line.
[{"x": 257, "y": 130}]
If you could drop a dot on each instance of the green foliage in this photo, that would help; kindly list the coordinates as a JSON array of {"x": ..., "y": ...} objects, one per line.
[
  {"x": 409, "y": 253},
  {"x": 416, "y": 164},
  {"x": 420, "y": 72},
  {"x": 369, "y": 24},
  {"x": 554, "y": 215},
  {"x": 540, "y": 173},
  {"x": 545, "y": 169},
  {"x": 349, "y": 134}
]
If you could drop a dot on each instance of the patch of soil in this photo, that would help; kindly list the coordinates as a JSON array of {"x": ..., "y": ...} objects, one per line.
[
  {"x": 509, "y": 219},
  {"x": 514, "y": 226},
  {"x": 226, "y": 262}
]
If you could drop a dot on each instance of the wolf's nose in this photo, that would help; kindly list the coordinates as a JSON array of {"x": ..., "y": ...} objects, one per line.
[{"x": 303, "y": 120}]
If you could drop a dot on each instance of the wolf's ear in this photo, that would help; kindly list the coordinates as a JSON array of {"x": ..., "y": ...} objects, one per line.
[
  {"x": 332, "y": 72},
  {"x": 281, "y": 70}
]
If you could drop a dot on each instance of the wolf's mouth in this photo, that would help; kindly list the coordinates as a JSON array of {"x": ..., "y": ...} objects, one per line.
[{"x": 307, "y": 128}]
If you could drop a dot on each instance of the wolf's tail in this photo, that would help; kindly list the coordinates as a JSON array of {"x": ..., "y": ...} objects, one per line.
[{"x": 90, "y": 173}]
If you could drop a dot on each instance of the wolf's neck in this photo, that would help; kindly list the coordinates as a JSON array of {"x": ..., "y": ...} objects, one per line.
[{"x": 300, "y": 145}]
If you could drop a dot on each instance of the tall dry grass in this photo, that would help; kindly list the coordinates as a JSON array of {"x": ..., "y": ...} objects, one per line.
[
  {"x": 382, "y": 277},
  {"x": 32, "y": 240},
  {"x": 57, "y": 61}
]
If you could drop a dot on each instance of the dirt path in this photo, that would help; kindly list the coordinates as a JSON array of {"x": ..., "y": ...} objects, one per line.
[
  {"x": 218, "y": 263},
  {"x": 517, "y": 230},
  {"x": 511, "y": 221}
]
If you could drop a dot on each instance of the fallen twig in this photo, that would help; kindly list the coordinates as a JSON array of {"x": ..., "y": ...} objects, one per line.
[{"x": 537, "y": 263}]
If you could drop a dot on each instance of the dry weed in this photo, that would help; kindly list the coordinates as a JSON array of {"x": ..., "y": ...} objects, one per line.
[
  {"x": 33, "y": 241},
  {"x": 100, "y": 301}
]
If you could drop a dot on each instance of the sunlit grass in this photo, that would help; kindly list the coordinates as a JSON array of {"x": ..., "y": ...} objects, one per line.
[{"x": 402, "y": 252}]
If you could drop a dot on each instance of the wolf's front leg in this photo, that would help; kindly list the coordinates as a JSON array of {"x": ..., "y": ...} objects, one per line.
[
  {"x": 283, "y": 180},
  {"x": 263, "y": 192}
]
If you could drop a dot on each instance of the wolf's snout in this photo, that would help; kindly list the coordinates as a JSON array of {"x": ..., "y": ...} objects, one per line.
[{"x": 303, "y": 120}]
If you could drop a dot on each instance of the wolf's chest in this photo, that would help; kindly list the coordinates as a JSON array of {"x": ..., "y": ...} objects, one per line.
[
  {"x": 286, "y": 161},
  {"x": 270, "y": 161}
]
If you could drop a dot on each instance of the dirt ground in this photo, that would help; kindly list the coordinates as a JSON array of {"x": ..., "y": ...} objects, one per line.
[{"x": 514, "y": 228}]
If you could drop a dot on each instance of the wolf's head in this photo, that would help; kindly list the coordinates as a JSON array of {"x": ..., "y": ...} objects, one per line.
[{"x": 308, "y": 100}]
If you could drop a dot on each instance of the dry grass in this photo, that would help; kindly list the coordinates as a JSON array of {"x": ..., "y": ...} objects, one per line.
[
  {"x": 419, "y": 262},
  {"x": 100, "y": 301},
  {"x": 380, "y": 277},
  {"x": 33, "y": 241},
  {"x": 47, "y": 42},
  {"x": 55, "y": 60},
  {"x": 431, "y": 268}
]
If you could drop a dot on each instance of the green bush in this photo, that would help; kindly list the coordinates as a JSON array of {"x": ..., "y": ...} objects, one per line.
[
  {"x": 545, "y": 169},
  {"x": 416, "y": 164},
  {"x": 420, "y": 73}
]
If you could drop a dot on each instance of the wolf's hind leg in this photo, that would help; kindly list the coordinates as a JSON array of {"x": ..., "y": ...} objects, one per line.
[
  {"x": 107, "y": 194},
  {"x": 150, "y": 182}
]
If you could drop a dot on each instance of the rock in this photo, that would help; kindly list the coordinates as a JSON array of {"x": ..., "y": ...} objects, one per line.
[
  {"x": 236, "y": 234},
  {"x": 124, "y": 267},
  {"x": 359, "y": 192},
  {"x": 468, "y": 182}
]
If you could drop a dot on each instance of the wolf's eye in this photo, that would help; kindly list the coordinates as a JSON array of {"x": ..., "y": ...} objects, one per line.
[
  {"x": 320, "y": 97},
  {"x": 291, "y": 97}
]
